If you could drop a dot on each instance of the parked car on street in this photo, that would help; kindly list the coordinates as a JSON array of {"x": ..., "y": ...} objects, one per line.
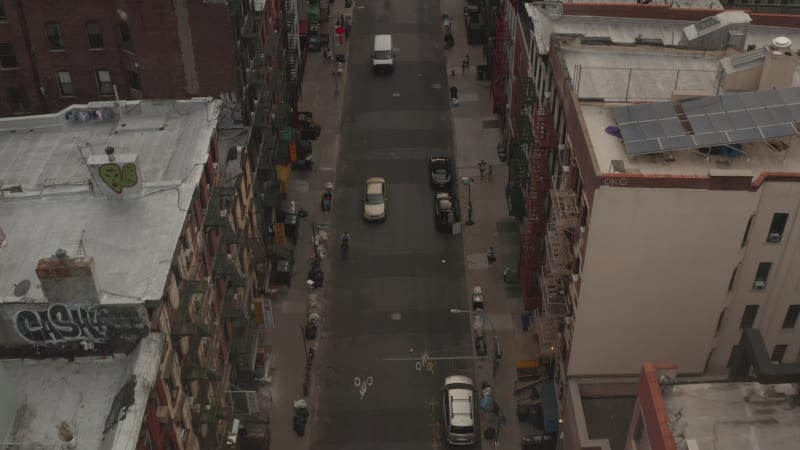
[
  {"x": 375, "y": 198},
  {"x": 459, "y": 408},
  {"x": 445, "y": 211},
  {"x": 441, "y": 172}
]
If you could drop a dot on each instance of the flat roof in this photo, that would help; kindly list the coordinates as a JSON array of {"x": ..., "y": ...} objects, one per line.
[
  {"x": 102, "y": 399},
  {"x": 733, "y": 416},
  {"x": 705, "y": 4},
  {"x": 49, "y": 202}
]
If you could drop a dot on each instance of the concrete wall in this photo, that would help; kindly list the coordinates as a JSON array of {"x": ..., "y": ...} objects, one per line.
[
  {"x": 655, "y": 276},
  {"x": 9, "y": 401}
]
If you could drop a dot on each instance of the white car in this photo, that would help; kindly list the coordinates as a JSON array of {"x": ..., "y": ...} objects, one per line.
[
  {"x": 375, "y": 198},
  {"x": 459, "y": 407}
]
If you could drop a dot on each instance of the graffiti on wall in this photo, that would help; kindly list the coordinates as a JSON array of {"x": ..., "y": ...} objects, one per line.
[
  {"x": 117, "y": 177},
  {"x": 120, "y": 326}
]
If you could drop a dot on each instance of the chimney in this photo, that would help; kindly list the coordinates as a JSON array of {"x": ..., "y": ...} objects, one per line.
[
  {"x": 116, "y": 175},
  {"x": 780, "y": 63},
  {"x": 68, "y": 280}
]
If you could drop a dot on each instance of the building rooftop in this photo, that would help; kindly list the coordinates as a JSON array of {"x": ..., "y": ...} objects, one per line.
[
  {"x": 614, "y": 62},
  {"x": 734, "y": 416},
  {"x": 705, "y": 4},
  {"x": 49, "y": 198},
  {"x": 102, "y": 399}
]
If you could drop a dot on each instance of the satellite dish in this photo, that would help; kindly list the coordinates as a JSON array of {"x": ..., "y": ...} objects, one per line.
[{"x": 22, "y": 288}]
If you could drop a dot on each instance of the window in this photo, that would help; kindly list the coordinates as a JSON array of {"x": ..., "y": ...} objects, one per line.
[
  {"x": 776, "y": 227},
  {"x": 747, "y": 231},
  {"x": 734, "y": 349},
  {"x": 95, "y": 34},
  {"x": 65, "y": 83},
  {"x": 54, "y": 39},
  {"x": 791, "y": 317},
  {"x": 761, "y": 275},
  {"x": 133, "y": 80},
  {"x": 125, "y": 38},
  {"x": 104, "y": 84},
  {"x": 18, "y": 100},
  {"x": 749, "y": 316},
  {"x": 8, "y": 58},
  {"x": 777, "y": 353},
  {"x": 719, "y": 321},
  {"x": 2, "y": 12}
]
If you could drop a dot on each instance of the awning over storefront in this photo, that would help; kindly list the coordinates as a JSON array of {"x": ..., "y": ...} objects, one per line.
[
  {"x": 284, "y": 171},
  {"x": 547, "y": 392}
]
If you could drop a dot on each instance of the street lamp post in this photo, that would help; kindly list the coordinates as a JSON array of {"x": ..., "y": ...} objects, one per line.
[{"x": 468, "y": 182}]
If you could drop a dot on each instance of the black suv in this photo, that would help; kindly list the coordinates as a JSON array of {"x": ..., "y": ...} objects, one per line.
[{"x": 441, "y": 172}]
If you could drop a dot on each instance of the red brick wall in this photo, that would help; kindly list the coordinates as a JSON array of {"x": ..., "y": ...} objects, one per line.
[
  {"x": 214, "y": 50},
  {"x": 653, "y": 409},
  {"x": 156, "y": 55}
]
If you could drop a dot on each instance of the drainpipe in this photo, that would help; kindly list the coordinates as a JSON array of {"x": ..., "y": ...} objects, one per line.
[{"x": 32, "y": 53}]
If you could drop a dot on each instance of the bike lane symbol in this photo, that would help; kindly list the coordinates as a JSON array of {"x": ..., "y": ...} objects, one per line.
[{"x": 362, "y": 385}]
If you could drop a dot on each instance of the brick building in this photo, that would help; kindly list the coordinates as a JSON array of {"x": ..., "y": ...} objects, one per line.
[{"x": 53, "y": 54}]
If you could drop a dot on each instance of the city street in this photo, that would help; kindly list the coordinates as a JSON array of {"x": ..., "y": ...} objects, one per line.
[{"x": 389, "y": 299}]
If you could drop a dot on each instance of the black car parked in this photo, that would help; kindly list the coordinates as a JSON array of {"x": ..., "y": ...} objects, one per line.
[
  {"x": 445, "y": 211},
  {"x": 441, "y": 172}
]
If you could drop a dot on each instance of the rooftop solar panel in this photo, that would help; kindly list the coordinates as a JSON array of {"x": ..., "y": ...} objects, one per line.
[
  {"x": 636, "y": 148},
  {"x": 652, "y": 130},
  {"x": 721, "y": 122},
  {"x": 745, "y": 135},
  {"x": 716, "y": 120},
  {"x": 710, "y": 139},
  {"x": 779, "y": 131},
  {"x": 789, "y": 96},
  {"x": 732, "y": 102},
  {"x": 677, "y": 142}
]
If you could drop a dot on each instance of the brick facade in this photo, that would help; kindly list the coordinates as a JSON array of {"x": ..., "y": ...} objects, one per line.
[{"x": 177, "y": 49}]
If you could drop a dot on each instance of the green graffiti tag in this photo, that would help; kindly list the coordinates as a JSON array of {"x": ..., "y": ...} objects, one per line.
[{"x": 118, "y": 178}]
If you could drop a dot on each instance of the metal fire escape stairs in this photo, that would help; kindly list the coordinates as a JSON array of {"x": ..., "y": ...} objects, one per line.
[
  {"x": 500, "y": 67},
  {"x": 292, "y": 48}
]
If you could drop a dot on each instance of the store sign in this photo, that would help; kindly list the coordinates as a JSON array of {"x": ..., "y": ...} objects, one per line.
[{"x": 280, "y": 234}]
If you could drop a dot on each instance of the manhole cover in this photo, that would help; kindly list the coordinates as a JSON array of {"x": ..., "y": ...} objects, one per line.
[
  {"x": 396, "y": 316},
  {"x": 396, "y": 94},
  {"x": 436, "y": 86}
]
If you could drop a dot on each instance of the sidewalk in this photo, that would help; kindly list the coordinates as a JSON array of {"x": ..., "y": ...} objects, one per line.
[
  {"x": 324, "y": 98},
  {"x": 477, "y": 133}
]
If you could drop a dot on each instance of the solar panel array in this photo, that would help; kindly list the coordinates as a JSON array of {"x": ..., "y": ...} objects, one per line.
[{"x": 712, "y": 121}]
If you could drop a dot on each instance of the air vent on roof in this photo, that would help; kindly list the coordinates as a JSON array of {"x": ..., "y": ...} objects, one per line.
[
  {"x": 596, "y": 40},
  {"x": 649, "y": 41}
]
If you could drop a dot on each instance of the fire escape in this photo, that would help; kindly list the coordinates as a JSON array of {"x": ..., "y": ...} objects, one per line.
[
  {"x": 500, "y": 67},
  {"x": 292, "y": 49}
]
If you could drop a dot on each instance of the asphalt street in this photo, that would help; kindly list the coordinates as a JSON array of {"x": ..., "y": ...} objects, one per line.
[{"x": 389, "y": 300}]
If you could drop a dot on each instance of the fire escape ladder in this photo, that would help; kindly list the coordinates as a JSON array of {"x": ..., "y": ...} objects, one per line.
[
  {"x": 499, "y": 60},
  {"x": 292, "y": 66}
]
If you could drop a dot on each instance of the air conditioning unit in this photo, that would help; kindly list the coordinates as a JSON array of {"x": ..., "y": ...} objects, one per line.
[
  {"x": 759, "y": 284},
  {"x": 565, "y": 169},
  {"x": 189, "y": 256},
  {"x": 774, "y": 237},
  {"x": 162, "y": 414},
  {"x": 576, "y": 277}
]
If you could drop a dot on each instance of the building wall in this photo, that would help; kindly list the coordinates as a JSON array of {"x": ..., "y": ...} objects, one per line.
[
  {"x": 180, "y": 49},
  {"x": 654, "y": 278},
  {"x": 782, "y": 285}
]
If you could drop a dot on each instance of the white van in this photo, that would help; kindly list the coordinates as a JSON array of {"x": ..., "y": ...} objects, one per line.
[{"x": 383, "y": 55}]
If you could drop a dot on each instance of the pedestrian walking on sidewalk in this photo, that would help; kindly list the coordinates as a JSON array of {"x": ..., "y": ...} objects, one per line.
[
  {"x": 490, "y": 257},
  {"x": 489, "y": 173},
  {"x": 463, "y": 66},
  {"x": 482, "y": 167}
]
